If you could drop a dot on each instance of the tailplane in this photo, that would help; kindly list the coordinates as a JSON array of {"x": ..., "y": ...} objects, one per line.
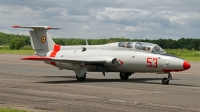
[{"x": 41, "y": 41}]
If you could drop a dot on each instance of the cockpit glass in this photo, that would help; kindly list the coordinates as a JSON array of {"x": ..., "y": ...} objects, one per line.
[
  {"x": 125, "y": 44},
  {"x": 157, "y": 50},
  {"x": 143, "y": 46},
  {"x": 154, "y": 48}
]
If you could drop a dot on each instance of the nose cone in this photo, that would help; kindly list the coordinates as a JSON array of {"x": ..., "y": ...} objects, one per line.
[{"x": 186, "y": 65}]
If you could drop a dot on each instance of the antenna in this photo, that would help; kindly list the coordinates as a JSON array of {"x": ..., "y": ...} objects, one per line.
[{"x": 86, "y": 42}]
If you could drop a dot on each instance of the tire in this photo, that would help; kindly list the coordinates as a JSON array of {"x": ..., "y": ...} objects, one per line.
[
  {"x": 81, "y": 78},
  {"x": 124, "y": 76},
  {"x": 165, "y": 81}
]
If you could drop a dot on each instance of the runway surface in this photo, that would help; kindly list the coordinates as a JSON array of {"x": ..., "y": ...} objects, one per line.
[{"x": 35, "y": 86}]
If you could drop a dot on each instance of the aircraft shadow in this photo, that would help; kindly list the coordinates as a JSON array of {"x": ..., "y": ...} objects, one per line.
[
  {"x": 93, "y": 80},
  {"x": 59, "y": 77}
]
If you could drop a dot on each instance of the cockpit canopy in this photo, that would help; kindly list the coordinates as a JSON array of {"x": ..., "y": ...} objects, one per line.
[
  {"x": 125, "y": 44},
  {"x": 142, "y": 46}
]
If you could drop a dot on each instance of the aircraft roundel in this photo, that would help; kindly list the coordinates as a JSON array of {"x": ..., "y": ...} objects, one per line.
[{"x": 43, "y": 39}]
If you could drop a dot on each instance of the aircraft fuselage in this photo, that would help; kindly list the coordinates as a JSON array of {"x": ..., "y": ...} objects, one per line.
[{"x": 128, "y": 61}]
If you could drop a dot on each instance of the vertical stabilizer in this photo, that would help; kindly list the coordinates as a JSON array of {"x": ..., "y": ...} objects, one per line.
[{"x": 41, "y": 41}]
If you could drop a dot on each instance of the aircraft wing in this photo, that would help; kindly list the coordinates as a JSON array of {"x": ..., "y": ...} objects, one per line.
[{"x": 106, "y": 60}]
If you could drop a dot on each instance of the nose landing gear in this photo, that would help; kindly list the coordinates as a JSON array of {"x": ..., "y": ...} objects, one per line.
[{"x": 165, "y": 80}]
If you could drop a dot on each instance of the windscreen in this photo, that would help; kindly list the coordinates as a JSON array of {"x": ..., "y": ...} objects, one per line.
[
  {"x": 157, "y": 50},
  {"x": 143, "y": 46},
  {"x": 149, "y": 47}
]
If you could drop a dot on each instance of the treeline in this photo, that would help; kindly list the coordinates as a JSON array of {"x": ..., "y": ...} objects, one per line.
[{"x": 183, "y": 43}]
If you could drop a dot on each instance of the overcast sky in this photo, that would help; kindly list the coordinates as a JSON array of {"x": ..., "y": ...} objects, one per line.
[{"x": 144, "y": 19}]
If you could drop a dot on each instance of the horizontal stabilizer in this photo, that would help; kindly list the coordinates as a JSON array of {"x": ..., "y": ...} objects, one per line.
[
  {"x": 36, "y": 27},
  {"x": 37, "y": 58}
]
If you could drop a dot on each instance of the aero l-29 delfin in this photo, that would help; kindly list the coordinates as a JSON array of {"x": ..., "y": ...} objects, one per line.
[{"x": 123, "y": 57}]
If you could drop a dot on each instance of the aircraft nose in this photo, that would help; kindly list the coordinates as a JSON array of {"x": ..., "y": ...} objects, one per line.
[{"x": 186, "y": 65}]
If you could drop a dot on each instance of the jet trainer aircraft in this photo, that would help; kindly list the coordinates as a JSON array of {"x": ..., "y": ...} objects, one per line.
[{"x": 123, "y": 57}]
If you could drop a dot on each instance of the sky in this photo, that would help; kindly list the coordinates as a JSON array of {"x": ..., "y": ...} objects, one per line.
[{"x": 92, "y": 19}]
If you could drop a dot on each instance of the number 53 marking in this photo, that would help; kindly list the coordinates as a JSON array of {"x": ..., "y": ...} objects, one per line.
[{"x": 152, "y": 62}]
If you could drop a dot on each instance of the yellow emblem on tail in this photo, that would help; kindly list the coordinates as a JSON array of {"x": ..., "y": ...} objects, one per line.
[{"x": 43, "y": 39}]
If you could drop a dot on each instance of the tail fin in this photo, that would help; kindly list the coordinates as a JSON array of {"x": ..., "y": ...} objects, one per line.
[{"x": 41, "y": 41}]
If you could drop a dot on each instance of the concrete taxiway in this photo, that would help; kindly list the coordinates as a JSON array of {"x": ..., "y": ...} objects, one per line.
[{"x": 35, "y": 86}]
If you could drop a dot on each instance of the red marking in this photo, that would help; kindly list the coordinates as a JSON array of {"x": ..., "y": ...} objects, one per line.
[
  {"x": 149, "y": 62},
  {"x": 39, "y": 58},
  {"x": 154, "y": 60},
  {"x": 56, "y": 47},
  {"x": 48, "y": 27},
  {"x": 120, "y": 62},
  {"x": 15, "y": 26},
  {"x": 55, "y": 51},
  {"x": 53, "y": 54},
  {"x": 186, "y": 65},
  {"x": 53, "y": 63},
  {"x": 172, "y": 70}
]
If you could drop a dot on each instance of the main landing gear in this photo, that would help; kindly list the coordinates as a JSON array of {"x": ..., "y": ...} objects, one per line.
[
  {"x": 80, "y": 71},
  {"x": 165, "y": 80},
  {"x": 81, "y": 78},
  {"x": 124, "y": 75}
]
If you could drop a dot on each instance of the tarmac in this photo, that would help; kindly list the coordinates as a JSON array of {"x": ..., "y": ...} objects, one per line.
[{"x": 38, "y": 87}]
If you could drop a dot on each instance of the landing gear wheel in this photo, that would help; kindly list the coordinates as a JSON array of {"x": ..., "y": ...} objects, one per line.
[
  {"x": 124, "y": 76},
  {"x": 165, "y": 81},
  {"x": 81, "y": 78}
]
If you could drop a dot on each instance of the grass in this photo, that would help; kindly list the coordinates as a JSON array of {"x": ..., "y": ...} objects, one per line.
[
  {"x": 183, "y": 52},
  {"x": 11, "y": 110},
  {"x": 189, "y": 55},
  {"x": 191, "y": 59},
  {"x": 27, "y": 52}
]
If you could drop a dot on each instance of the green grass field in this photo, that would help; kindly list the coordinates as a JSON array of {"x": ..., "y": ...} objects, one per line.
[
  {"x": 183, "y": 52},
  {"x": 189, "y": 55},
  {"x": 191, "y": 59},
  {"x": 11, "y": 110},
  {"x": 25, "y": 52}
]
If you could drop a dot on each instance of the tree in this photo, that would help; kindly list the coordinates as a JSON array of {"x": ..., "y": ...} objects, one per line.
[
  {"x": 16, "y": 43},
  {"x": 182, "y": 43}
]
